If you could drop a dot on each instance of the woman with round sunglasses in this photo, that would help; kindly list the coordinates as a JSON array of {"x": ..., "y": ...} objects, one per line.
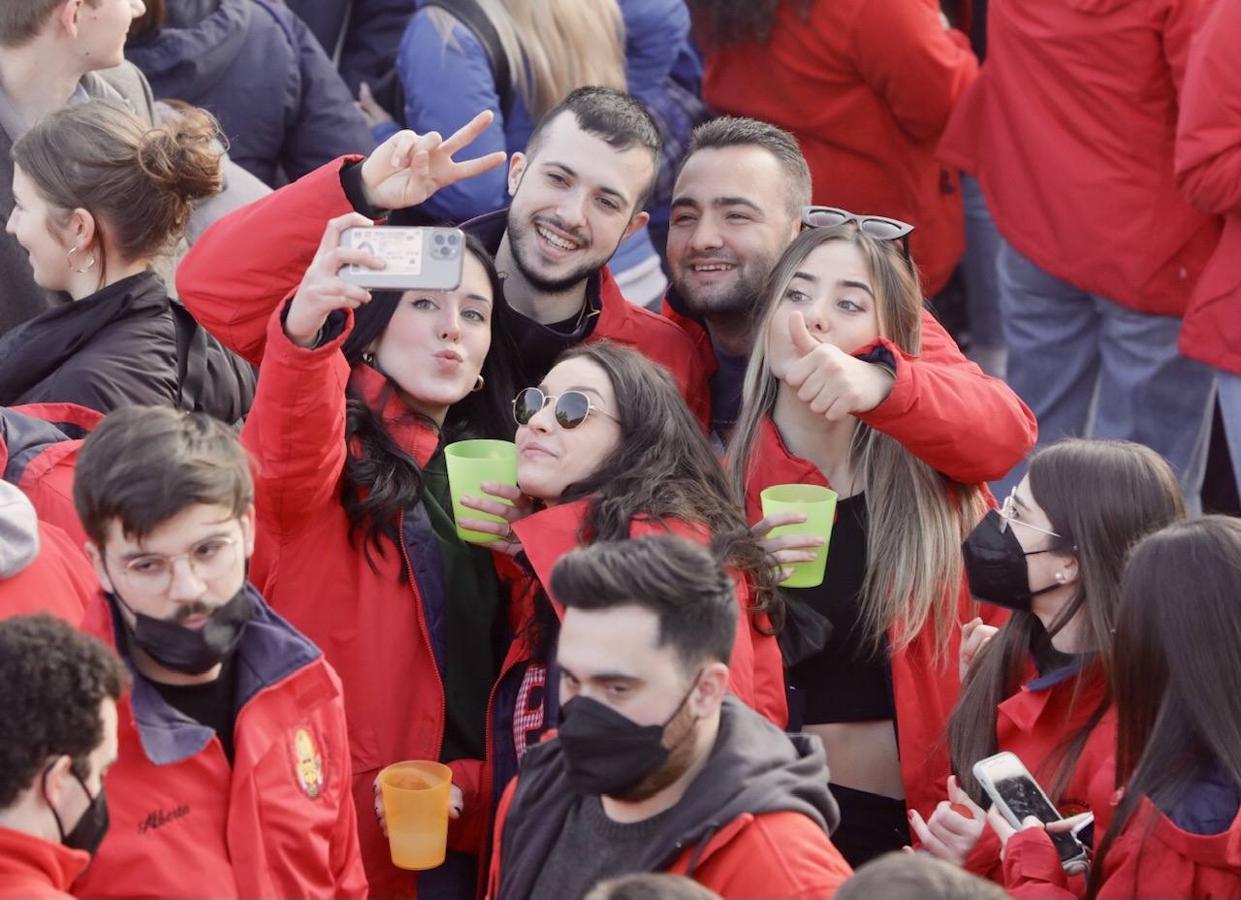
[
  {"x": 1168, "y": 816},
  {"x": 1052, "y": 555},
  {"x": 357, "y": 393},
  {"x": 844, "y": 306},
  {"x": 607, "y": 448}
]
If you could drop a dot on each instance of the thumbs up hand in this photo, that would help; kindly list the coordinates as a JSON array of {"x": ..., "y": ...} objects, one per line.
[{"x": 830, "y": 381}]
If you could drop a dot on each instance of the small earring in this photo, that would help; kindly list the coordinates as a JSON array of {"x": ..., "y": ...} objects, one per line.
[
  {"x": 1060, "y": 576},
  {"x": 90, "y": 261},
  {"x": 368, "y": 358},
  {"x": 478, "y": 385}
]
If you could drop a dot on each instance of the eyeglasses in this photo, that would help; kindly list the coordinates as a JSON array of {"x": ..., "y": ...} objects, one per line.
[
  {"x": 1008, "y": 509},
  {"x": 878, "y": 227},
  {"x": 572, "y": 407},
  {"x": 209, "y": 559}
]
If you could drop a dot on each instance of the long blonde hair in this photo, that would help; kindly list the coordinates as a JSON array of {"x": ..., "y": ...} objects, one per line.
[
  {"x": 553, "y": 46},
  {"x": 917, "y": 518}
]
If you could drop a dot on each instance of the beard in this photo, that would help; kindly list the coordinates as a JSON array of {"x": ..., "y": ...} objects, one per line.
[
  {"x": 681, "y": 757},
  {"x": 740, "y": 298},
  {"x": 522, "y": 240}
]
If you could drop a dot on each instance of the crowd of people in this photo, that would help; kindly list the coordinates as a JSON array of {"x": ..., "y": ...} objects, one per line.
[{"x": 709, "y": 247}]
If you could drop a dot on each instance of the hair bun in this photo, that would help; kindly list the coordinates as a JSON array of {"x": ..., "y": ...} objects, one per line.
[{"x": 182, "y": 154}]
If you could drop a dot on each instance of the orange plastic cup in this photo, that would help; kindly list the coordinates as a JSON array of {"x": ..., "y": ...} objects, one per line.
[{"x": 416, "y": 797}]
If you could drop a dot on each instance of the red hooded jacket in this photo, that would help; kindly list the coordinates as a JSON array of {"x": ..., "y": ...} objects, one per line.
[
  {"x": 231, "y": 283},
  {"x": 756, "y": 669},
  {"x": 1208, "y": 171},
  {"x": 867, "y": 87},
  {"x": 276, "y": 822},
  {"x": 33, "y": 867},
  {"x": 1033, "y": 723},
  {"x": 1070, "y": 129}
]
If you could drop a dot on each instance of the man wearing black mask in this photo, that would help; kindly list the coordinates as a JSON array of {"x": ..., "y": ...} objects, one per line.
[
  {"x": 655, "y": 768},
  {"x": 233, "y": 775},
  {"x": 57, "y": 740}
]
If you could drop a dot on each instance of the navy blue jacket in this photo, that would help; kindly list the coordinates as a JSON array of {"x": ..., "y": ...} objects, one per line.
[
  {"x": 371, "y": 33},
  {"x": 260, "y": 71}
]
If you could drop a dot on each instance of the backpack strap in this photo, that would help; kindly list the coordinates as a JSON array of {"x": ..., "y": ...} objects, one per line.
[
  {"x": 191, "y": 358},
  {"x": 471, "y": 15}
]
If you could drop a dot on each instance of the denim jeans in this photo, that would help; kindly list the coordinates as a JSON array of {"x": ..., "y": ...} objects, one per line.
[
  {"x": 978, "y": 270},
  {"x": 1090, "y": 367},
  {"x": 1230, "y": 408}
]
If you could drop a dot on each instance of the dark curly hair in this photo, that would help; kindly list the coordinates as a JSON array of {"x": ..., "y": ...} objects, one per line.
[
  {"x": 380, "y": 479},
  {"x": 55, "y": 678}
]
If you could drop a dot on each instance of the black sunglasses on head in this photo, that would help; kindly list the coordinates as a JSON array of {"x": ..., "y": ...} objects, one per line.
[
  {"x": 572, "y": 407},
  {"x": 880, "y": 228}
]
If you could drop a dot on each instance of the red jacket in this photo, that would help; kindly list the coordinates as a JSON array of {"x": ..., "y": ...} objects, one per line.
[
  {"x": 33, "y": 867},
  {"x": 367, "y": 615},
  {"x": 1208, "y": 170},
  {"x": 278, "y": 822},
  {"x": 60, "y": 581},
  {"x": 939, "y": 393},
  {"x": 756, "y": 669},
  {"x": 1151, "y": 858},
  {"x": 1033, "y": 723},
  {"x": 230, "y": 280},
  {"x": 1070, "y": 130},
  {"x": 925, "y": 688},
  {"x": 867, "y": 87}
]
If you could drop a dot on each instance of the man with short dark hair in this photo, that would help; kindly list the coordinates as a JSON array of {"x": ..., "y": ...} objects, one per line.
[
  {"x": 234, "y": 776},
  {"x": 655, "y": 768},
  {"x": 577, "y": 192},
  {"x": 736, "y": 207},
  {"x": 57, "y": 741}
]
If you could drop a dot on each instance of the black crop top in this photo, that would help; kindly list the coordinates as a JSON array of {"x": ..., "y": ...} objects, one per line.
[{"x": 848, "y": 680}]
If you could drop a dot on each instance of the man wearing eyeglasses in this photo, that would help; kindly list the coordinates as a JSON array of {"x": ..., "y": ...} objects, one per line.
[
  {"x": 740, "y": 199},
  {"x": 233, "y": 776}
]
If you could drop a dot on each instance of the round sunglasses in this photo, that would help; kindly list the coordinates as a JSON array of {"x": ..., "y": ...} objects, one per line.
[{"x": 572, "y": 407}]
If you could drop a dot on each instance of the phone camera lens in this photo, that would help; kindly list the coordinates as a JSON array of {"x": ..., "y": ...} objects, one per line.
[{"x": 454, "y": 239}]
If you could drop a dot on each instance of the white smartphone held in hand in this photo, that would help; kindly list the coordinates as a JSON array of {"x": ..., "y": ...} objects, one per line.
[
  {"x": 428, "y": 259},
  {"x": 1017, "y": 795}
]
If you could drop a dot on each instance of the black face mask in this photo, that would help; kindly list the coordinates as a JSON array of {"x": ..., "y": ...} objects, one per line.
[
  {"x": 192, "y": 651},
  {"x": 995, "y": 566},
  {"x": 607, "y": 754},
  {"x": 88, "y": 833}
]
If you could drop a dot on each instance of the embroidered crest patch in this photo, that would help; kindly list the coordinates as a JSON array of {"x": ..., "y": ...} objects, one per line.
[{"x": 307, "y": 763}]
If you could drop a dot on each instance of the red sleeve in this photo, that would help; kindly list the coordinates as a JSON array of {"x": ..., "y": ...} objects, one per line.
[
  {"x": 909, "y": 59},
  {"x": 781, "y": 854},
  {"x": 296, "y": 428},
  {"x": 241, "y": 267},
  {"x": 466, "y": 833},
  {"x": 1177, "y": 32},
  {"x": 1032, "y": 866},
  {"x": 950, "y": 414},
  {"x": 1208, "y": 139},
  {"x": 493, "y": 875},
  {"x": 346, "y": 854}
]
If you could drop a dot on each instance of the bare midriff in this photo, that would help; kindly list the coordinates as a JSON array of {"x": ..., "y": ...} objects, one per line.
[{"x": 863, "y": 756}]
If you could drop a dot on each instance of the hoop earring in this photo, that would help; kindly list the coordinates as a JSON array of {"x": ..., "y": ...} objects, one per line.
[
  {"x": 478, "y": 385},
  {"x": 90, "y": 261}
]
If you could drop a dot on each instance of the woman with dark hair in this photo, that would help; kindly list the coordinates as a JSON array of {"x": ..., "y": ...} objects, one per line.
[
  {"x": 1174, "y": 671},
  {"x": 356, "y": 543},
  {"x": 843, "y": 307},
  {"x": 608, "y": 448},
  {"x": 1053, "y": 556},
  {"x": 99, "y": 196}
]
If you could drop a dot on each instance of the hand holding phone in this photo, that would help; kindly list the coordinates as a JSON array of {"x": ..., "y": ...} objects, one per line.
[
  {"x": 428, "y": 259},
  {"x": 1016, "y": 796}
]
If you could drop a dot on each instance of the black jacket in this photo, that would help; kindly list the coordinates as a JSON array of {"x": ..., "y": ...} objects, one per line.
[
  {"x": 119, "y": 347},
  {"x": 754, "y": 768}
]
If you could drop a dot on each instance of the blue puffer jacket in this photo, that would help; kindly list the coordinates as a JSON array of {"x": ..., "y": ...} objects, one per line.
[{"x": 258, "y": 68}]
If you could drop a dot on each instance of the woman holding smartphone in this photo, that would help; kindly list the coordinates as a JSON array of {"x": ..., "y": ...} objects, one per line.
[
  {"x": 607, "y": 448},
  {"x": 1052, "y": 555},
  {"x": 841, "y": 392},
  {"x": 356, "y": 543},
  {"x": 1170, "y": 816}
]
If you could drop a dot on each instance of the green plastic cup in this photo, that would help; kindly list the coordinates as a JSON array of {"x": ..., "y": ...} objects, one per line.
[
  {"x": 470, "y": 463},
  {"x": 818, "y": 505}
]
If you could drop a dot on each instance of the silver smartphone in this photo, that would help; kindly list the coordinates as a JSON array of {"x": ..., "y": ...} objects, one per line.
[
  {"x": 428, "y": 259},
  {"x": 1017, "y": 795}
]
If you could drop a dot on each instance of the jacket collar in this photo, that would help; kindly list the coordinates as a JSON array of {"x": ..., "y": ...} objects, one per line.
[
  {"x": 1083, "y": 686},
  {"x": 771, "y": 462},
  {"x": 549, "y": 534},
  {"x": 412, "y": 433},
  {"x": 270, "y": 651},
  {"x": 30, "y": 863}
]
